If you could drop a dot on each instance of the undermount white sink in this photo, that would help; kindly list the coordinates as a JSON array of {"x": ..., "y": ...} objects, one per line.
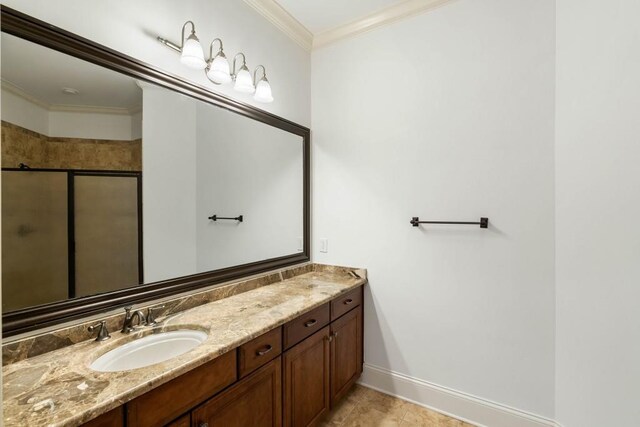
[{"x": 149, "y": 350}]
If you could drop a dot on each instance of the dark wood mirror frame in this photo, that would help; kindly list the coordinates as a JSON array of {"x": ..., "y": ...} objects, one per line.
[{"x": 42, "y": 33}]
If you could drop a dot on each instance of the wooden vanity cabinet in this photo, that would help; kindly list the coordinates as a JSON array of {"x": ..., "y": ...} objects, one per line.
[
  {"x": 173, "y": 399},
  {"x": 320, "y": 370},
  {"x": 292, "y": 376},
  {"x": 306, "y": 380},
  {"x": 184, "y": 421},
  {"x": 346, "y": 353},
  {"x": 113, "y": 418},
  {"x": 255, "y": 401}
]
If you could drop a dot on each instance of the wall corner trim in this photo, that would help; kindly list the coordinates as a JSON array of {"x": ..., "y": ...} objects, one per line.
[
  {"x": 286, "y": 23},
  {"x": 466, "y": 407}
]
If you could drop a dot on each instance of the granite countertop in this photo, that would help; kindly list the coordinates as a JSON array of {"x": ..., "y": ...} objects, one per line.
[{"x": 59, "y": 389}]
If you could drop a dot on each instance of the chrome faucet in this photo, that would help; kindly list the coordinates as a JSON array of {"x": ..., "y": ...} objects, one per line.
[
  {"x": 151, "y": 315},
  {"x": 103, "y": 333},
  {"x": 127, "y": 325}
]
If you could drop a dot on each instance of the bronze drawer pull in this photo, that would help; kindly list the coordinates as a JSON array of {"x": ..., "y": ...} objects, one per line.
[
  {"x": 265, "y": 350},
  {"x": 348, "y": 301},
  {"x": 310, "y": 323}
]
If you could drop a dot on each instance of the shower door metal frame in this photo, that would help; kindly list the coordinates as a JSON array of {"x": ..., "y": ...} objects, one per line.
[{"x": 71, "y": 216}]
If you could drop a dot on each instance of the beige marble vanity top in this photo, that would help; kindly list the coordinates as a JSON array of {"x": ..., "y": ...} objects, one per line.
[{"x": 59, "y": 389}]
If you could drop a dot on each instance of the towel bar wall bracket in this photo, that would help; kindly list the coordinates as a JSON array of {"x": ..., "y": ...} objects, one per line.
[{"x": 484, "y": 222}]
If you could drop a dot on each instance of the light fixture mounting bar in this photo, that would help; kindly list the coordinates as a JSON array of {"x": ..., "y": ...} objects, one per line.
[{"x": 169, "y": 44}]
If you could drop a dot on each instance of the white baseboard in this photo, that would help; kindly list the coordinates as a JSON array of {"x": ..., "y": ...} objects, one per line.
[{"x": 463, "y": 406}]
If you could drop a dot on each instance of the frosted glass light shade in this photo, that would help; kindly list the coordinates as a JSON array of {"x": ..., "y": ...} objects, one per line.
[
  {"x": 244, "y": 82},
  {"x": 192, "y": 53},
  {"x": 219, "y": 70},
  {"x": 263, "y": 91}
]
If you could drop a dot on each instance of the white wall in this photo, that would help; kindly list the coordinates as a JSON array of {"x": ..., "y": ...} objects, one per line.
[
  {"x": 91, "y": 125},
  {"x": 597, "y": 211},
  {"x": 26, "y": 114},
  {"x": 131, "y": 27},
  {"x": 246, "y": 167},
  {"x": 447, "y": 115},
  {"x": 169, "y": 184}
]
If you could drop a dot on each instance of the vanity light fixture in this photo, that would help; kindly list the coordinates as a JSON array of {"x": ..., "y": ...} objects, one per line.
[
  {"x": 191, "y": 53},
  {"x": 242, "y": 77},
  {"x": 263, "y": 88},
  {"x": 218, "y": 67}
]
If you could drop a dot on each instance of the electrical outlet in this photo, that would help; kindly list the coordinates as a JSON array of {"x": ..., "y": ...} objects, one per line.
[
  {"x": 324, "y": 245},
  {"x": 300, "y": 244}
]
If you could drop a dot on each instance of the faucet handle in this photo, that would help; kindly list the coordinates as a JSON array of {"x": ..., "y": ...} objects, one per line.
[
  {"x": 103, "y": 333},
  {"x": 151, "y": 317}
]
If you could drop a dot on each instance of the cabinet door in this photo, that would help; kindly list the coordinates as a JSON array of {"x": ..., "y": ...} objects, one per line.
[
  {"x": 255, "y": 401},
  {"x": 346, "y": 353},
  {"x": 184, "y": 421},
  {"x": 306, "y": 380}
]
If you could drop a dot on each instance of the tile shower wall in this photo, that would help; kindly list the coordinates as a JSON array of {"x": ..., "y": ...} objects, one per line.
[{"x": 20, "y": 145}]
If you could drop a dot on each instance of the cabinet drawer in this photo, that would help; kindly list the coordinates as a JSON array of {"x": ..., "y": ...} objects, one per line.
[
  {"x": 259, "y": 351},
  {"x": 346, "y": 302},
  {"x": 170, "y": 400},
  {"x": 113, "y": 418},
  {"x": 305, "y": 325}
]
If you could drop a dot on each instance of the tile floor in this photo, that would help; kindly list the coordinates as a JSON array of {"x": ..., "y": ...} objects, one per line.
[{"x": 364, "y": 407}]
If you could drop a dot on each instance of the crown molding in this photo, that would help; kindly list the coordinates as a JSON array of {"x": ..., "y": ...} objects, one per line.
[
  {"x": 286, "y": 23},
  {"x": 278, "y": 16},
  {"x": 64, "y": 108},
  {"x": 19, "y": 92},
  {"x": 405, "y": 9}
]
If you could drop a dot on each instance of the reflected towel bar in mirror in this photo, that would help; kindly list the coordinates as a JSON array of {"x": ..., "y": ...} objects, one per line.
[
  {"x": 484, "y": 222},
  {"x": 237, "y": 218}
]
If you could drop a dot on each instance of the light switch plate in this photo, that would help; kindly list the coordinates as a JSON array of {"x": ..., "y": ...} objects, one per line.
[{"x": 324, "y": 245}]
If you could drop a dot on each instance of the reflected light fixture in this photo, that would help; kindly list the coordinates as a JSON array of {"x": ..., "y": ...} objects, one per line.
[
  {"x": 242, "y": 77},
  {"x": 218, "y": 67},
  {"x": 263, "y": 88}
]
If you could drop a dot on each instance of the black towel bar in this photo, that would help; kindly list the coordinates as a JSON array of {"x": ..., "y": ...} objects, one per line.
[
  {"x": 484, "y": 222},
  {"x": 216, "y": 217}
]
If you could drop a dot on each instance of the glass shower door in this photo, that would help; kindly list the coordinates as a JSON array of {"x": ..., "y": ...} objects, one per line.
[
  {"x": 107, "y": 233},
  {"x": 35, "y": 270}
]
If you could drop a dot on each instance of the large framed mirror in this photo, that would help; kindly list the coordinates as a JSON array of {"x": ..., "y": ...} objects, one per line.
[{"x": 122, "y": 183}]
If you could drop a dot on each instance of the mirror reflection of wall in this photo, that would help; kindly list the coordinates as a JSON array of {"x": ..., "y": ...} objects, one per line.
[
  {"x": 221, "y": 163},
  {"x": 76, "y": 141},
  {"x": 71, "y": 163}
]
